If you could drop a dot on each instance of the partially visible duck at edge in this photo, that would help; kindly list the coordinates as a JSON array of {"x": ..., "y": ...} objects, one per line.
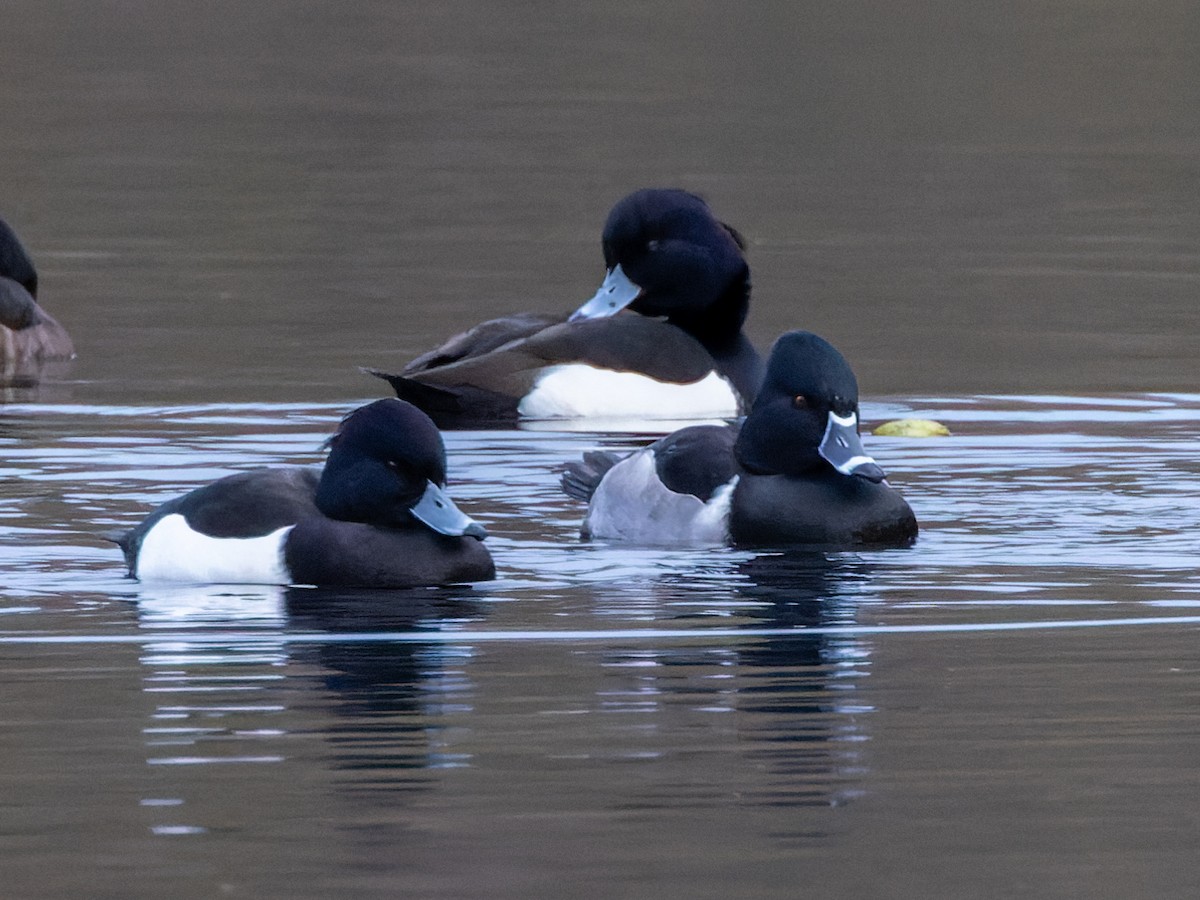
[
  {"x": 377, "y": 515},
  {"x": 684, "y": 357},
  {"x": 29, "y": 335},
  {"x": 794, "y": 472}
]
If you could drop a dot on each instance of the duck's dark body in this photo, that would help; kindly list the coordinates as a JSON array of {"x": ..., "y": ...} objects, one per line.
[
  {"x": 824, "y": 509},
  {"x": 324, "y": 552}
]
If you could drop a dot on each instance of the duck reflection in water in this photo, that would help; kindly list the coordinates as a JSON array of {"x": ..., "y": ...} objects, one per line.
[
  {"x": 387, "y": 697},
  {"x": 813, "y": 719},
  {"x": 775, "y": 721},
  {"x": 786, "y": 708},
  {"x": 378, "y": 705}
]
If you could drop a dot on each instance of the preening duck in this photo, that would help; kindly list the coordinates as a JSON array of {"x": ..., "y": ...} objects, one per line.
[{"x": 668, "y": 260}]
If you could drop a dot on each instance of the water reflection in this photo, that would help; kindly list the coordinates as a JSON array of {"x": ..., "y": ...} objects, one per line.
[
  {"x": 388, "y": 702},
  {"x": 782, "y": 707},
  {"x": 214, "y": 705},
  {"x": 385, "y": 718},
  {"x": 808, "y": 684},
  {"x": 369, "y": 713},
  {"x": 35, "y": 380}
]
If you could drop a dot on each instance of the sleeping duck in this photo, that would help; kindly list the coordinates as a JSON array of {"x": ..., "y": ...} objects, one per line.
[
  {"x": 794, "y": 472},
  {"x": 377, "y": 515}
]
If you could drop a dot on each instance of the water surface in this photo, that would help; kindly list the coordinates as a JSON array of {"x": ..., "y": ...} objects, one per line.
[{"x": 1018, "y": 690}]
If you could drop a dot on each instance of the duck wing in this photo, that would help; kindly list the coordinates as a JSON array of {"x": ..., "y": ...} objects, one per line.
[
  {"x": 252, "y": 503},
  {"x": 580, "y": 478},
  {"x": 33, "y": 337},
  {"x": 18, "y": 309},
  {"x": 696, "y": 460},
  {"x": 487, "y": 388},
  {"x": 482, "y": 339}
]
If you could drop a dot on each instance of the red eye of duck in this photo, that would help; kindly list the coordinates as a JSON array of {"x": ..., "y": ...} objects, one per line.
[{"x": 800, "y": 402}]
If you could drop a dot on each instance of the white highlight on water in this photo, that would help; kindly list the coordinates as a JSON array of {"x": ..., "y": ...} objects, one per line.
[{"x": 209, "y": 638}]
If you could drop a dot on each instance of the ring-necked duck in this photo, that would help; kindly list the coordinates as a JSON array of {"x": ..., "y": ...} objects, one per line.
[
  {"x": 794, "y": 472},
  {"x": 376, "y": 516},
  {"x": 666, "y": 256},
  {"x": 28, "y": 334}
]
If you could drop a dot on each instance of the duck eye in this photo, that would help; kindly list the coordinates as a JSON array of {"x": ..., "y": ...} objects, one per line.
[{"x": 800, "y": 402}]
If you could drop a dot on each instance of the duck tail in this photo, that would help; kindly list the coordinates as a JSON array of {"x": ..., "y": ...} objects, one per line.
[
  {"x": 580, "y": 479},
  {"x": 425, "y": 397},
  {"x": 128, "y": 541}
]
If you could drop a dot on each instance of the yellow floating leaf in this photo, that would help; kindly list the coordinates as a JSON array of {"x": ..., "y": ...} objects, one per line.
[{"x": 912, "y": 428}]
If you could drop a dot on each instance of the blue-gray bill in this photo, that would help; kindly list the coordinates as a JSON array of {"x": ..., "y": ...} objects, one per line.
[
  {"x": 616, "y": 293},
  {"x": 438, "y": 511},
  {"x": 843, "y": 449}
]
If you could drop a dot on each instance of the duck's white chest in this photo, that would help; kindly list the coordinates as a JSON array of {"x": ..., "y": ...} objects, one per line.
[
  {"x": 172, "y": 551},
  {"x": 576, "y": 390}
]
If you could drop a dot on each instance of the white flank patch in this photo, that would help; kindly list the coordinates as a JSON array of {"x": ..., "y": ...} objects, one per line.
[
  {"x": 575, "y": 390},
  {"x": 631, "y": 504},
  {"x": 171, "y": 551}
]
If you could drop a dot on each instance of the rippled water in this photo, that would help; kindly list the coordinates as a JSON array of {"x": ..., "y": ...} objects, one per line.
[{"x": 609, "y": 718}]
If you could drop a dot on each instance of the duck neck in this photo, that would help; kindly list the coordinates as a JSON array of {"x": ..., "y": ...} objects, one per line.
[
  {"x": 720, "y": 323},
  {"x": 719, "y": 329},
  {"x": 763, "y": 448}
]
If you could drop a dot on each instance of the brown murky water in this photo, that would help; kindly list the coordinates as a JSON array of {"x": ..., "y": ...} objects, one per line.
[{"x": 992, "y": 209}]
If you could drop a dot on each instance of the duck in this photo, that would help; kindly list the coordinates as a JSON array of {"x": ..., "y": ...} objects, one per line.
[
  {"x": 793, "y": 472},
  {"x": 676, "y": 352},
  {"x": 28, "y": 334},
  {"x": 377, "y": 515}
]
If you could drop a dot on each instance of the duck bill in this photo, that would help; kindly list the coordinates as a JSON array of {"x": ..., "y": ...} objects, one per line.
[
  {"x": 842, "y": 448},
  {"x": 437, "y": 511},
  {"x": 616, "y": 293}
]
